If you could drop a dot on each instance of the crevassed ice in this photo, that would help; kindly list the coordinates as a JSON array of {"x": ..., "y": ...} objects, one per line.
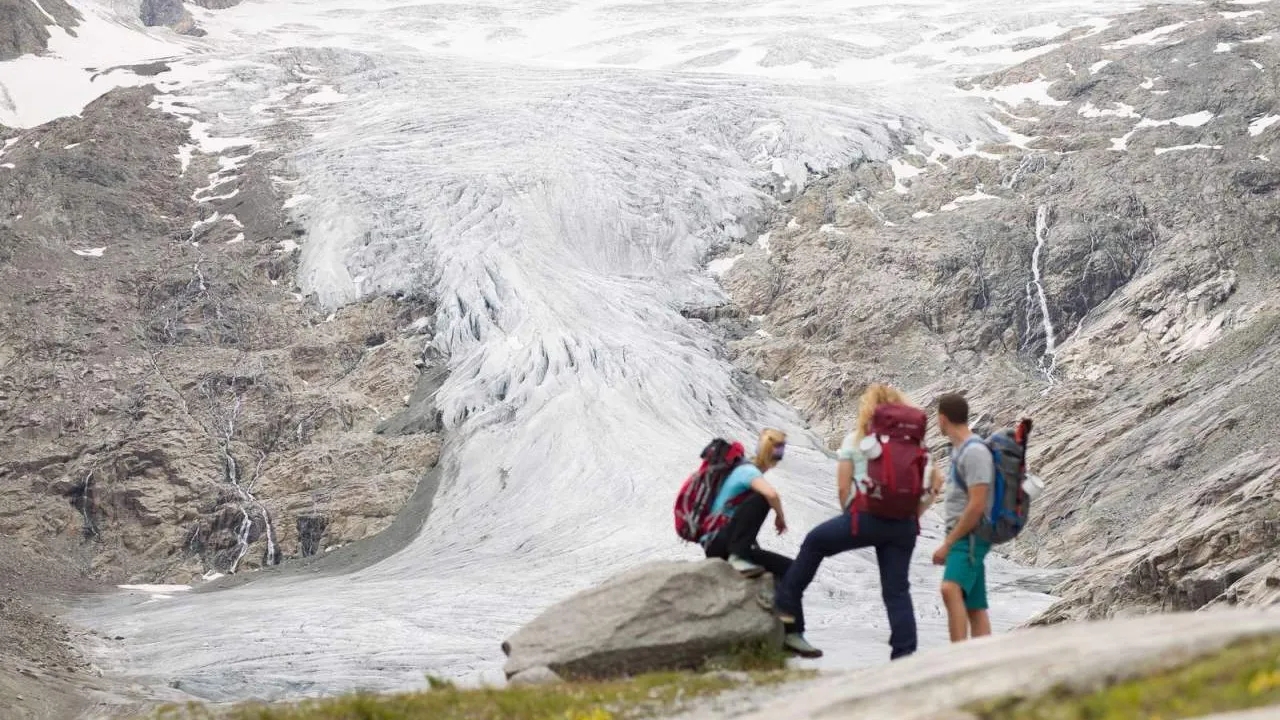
[{"x": 556, "y": 174}]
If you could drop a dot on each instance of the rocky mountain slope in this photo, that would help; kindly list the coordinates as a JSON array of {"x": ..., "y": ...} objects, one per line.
[
  {"x": 174, "y": 14},
  {"x": 171, "y": 408},
  {"x": 24, "y": 25},
  {"x": 1105, "y": 264}
]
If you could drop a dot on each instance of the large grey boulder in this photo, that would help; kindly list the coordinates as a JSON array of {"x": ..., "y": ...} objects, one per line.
[{"x": 662, "y": 615}]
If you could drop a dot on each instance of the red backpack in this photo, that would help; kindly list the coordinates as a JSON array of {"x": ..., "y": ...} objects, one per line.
[
  {"x": 693, "y": 516},
  {"x": 896, "y": 481}
]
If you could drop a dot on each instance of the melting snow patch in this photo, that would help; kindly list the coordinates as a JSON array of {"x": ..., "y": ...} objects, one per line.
[
  {"x": 1036, "y": 91},
  {"x": 91, "y": 252},
  {"x": 1094, "y": 68},
  {"x": 1151, "y": 37},
  {"x": 325, "y": 96},
  {"x": 9, "y": 166},
  {"x": 720, "y": 266},
  {"x": 1148, "y": 83},
  {"x": 920, "y": 214},
  {"x": 72, "y": 146},
  {"x": 1196, "y": 119},
  {"x": 763, "y": 242},
  {"x": 40, "y": 7},
  {"x": 1224, "y": 47},
  {"x": 1256, "y": 40},
  {"x": 1121, "y": 110},
  {"x": 944, "y": 147},
  {"x": 792, "y": 224},
  {"x": 830, "y": 230},
  {"x": 977, "y": 196},
  {"x": 237, "y": 239},
  {"x": 184, "y": 156},
  {"x": 1257, "y": 64},
  {"x": 211, "y": 576},
  {"x": 287, "y": 246},
  {"x": 1013, "y": 137},
  {"x": 1257, "y": 127},
  {"x": 902, "y": 170},
  {"x": 1233, "y": 15},
  {"x": 1197, "y": 146},
  {"x": 295, "y": 201}
]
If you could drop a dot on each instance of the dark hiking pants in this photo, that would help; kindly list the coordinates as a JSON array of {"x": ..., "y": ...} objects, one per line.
[
  {"x": 894, "y": 540},
  {"x": 739, "y": 538}
]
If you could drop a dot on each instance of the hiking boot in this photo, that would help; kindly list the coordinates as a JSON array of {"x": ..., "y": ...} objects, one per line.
[
  {"x": 747, "y": 568},
  {"x": 796, "y": 643}
]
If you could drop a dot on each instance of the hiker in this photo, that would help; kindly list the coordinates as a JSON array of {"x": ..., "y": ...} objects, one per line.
[
  {"x": 872, "y": 516},
  {"x": 747, "y": 498},
  {"x": 963, "y": 553}
]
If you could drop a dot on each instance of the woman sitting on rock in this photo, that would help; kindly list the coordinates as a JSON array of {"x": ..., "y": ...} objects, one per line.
[{"x": 736, "y": 542}]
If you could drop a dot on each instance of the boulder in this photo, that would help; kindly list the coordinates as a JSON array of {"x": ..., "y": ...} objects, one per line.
[
  {"x": 659, "y": 616},
  {"x": 541, "y": 675}
]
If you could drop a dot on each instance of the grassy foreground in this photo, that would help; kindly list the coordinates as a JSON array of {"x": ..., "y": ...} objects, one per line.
[
  {"x": 1241, "y": 677},
  {"x": 638, "y": 697}
]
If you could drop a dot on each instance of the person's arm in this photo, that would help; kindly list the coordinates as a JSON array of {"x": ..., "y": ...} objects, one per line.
[
  {"x": 971, "y": 516},
  {"x": 762, "y": 486},
  {"x": 844, "y": 482},
  {"x": 935, "y": 489}
]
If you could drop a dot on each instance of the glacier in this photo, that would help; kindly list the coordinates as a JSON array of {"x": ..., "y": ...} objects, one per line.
[{"x": 557, "y": 173}]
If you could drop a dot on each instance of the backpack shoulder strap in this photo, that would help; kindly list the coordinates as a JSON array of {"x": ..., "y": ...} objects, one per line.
[{"x": 955, "y": 466}]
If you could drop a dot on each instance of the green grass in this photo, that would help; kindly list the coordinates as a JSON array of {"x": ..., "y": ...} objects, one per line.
[
  {"x": 1243, "y": 676},
  {"x": 638, "y": 697}
]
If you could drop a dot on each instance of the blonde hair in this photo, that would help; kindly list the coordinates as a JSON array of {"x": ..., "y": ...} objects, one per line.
[
  {"x": 874, "y": 396},
  {"x": 769, "y": 439}
]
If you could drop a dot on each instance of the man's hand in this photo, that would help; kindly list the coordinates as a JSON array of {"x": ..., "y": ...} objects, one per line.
[
  {"x": 935, "y": 481},
  {"x": 779, "y": 523},
  {"x": 940, "y": 555}
]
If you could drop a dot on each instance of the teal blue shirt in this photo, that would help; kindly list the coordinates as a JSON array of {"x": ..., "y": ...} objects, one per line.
[{"x": 738, "y": 482}]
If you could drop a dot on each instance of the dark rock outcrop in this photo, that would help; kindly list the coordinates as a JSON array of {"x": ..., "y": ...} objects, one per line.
[{"x": 24, "y": 29}]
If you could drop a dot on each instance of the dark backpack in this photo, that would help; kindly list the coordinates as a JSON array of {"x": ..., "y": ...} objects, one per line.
[
  {"x": 693, "y": 503},
  {"x": 1008, "y": 505},
  {"x": 896, "y": 477}
]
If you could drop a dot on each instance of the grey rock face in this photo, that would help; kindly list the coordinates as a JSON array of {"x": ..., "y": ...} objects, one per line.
[
  {"x": 24, "y": 29},
  {"x": 1132, "y": 230},
  {"x": 162, "y": 12},
  {"x": 662, "y": 615},
  {"x": 541, "y": 675}
]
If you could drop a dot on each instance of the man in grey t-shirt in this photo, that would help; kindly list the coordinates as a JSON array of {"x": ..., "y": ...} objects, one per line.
[{"x": 964, "y": 581}]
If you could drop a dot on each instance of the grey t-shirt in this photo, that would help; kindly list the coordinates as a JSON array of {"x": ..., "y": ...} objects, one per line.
[{"x": 975, "y": 465}]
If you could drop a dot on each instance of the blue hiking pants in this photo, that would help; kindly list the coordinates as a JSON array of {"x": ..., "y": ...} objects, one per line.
[{"x": 894, "y": 541}]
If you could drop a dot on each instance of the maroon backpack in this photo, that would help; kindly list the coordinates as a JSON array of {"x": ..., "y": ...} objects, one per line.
[
  {"x": 693, "y": 517},
  {"x": 896, "y": 481}
]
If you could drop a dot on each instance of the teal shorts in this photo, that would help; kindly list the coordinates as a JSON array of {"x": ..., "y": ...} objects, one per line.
[{"x": 966, "y": 567}]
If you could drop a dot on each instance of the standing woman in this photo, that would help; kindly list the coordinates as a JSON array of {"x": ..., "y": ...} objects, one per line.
[
  {"x": 893, "y": 539},
  {"x": 746, "y": 498}
]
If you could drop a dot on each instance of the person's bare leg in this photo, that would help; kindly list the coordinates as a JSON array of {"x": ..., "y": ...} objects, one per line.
[
  {"x": 979, "y": 623},
  {"x": 957, "y": 616}
]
